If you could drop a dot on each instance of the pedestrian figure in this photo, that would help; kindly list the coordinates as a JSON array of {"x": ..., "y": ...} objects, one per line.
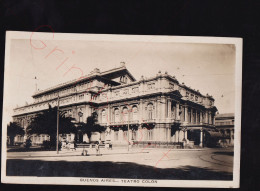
[{"x": 98, "y": 147}]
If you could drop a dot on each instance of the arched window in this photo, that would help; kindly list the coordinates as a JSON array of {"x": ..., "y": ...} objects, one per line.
[
  {"x": 103, "y": 116},
  {"x": 117, "y": 115},
  {"x": 123, "y": 79},
  {"x": 125, "y": 114},
  {"x": 135, "y": 113},
  {"x": 150, "y": 110}
]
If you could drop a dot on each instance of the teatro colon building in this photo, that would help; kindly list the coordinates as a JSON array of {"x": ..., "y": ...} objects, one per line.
[{"x": 156, "y": 109}]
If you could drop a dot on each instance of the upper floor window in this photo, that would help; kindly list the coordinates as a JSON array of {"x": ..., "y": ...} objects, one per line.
[
  {"x": 81, "y": 96},
  {"x": 117, "y": 115},
  {"x": 135, "y": 113},
  {"x": 123, "y": 79},
  {"x": 125, "y": 114},
  {"x": 104, "y": 116},
  {"x": 150, "y": 110}
]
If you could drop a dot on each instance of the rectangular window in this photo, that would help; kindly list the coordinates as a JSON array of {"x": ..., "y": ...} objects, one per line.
[
  {"x": 116, "y": 135},
  {"x": 150, "y": 134},
  {"x": 134, "y": 135},
  {"x": 125, "y": 135}
]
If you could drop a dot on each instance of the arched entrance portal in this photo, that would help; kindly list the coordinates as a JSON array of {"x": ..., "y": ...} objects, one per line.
[{"x": 194, "y": 135}]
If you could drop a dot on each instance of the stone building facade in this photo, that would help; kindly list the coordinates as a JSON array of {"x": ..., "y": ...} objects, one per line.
[
  {"x": 154, "y": 109},
  {"x": 225, "y": 125}
]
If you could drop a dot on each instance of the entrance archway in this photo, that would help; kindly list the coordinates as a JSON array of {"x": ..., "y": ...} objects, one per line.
[{"x": 194, "y": 135}]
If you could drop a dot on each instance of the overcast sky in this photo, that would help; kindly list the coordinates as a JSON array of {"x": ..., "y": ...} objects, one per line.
[{"x": 209, "y": 68}]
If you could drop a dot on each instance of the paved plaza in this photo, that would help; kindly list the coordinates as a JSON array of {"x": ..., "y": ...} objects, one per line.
[{"x": 184, "y": 164}]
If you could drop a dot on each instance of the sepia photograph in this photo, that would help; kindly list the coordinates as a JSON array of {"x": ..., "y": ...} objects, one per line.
[{"x": 121, "y": 110}]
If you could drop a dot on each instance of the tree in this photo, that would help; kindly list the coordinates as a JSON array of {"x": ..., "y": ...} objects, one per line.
[
  {"x": 91, "y": 126},
  {"x": 14, "y": 129},
  {"x": 46, "y": 123}
]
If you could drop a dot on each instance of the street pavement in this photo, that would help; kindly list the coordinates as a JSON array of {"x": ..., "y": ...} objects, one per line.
[{"x": 201, "y": 163}]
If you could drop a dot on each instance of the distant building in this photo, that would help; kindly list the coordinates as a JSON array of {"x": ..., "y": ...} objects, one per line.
[
  {"x": 225, "y": 125},
  {"x": 157, "y": 108}
]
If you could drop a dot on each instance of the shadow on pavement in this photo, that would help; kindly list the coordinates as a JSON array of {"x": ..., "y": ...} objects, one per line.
[
  {"x": 231, "y": 153},
  {"x": 17, "y": 167}
]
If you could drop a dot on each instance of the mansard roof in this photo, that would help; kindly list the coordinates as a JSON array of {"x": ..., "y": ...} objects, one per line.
[{"x": 106, "y": 76}]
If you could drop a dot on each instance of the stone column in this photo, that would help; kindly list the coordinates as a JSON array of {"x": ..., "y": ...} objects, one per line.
[
  {"x": 191, "y": 116},
  {"x": 169, "y": 108},
  {"x": 185, "y": 113},
  {"x": 141, "y": 111},
  {"x": 108, "y": 115},
  {"x": 201, "y": 137},
  {"x": 177, "y": 136},
  {"x": 163, "y": 107},
  {"x": 206, "y": 117},
  {"x": 201, "y": 119},
  {"x": 231, "y": 137},
  {"x": 196, "y": 116},
  {"x": 158, "y": 106},
  {"x": 169, "y": 134},
  {"x": 177, "y": 116},
  {"x": 186, "y": 134},
  {"x": 210, "y": 121}
]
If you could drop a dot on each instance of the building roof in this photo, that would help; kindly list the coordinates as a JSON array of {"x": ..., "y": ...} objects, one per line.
[
  {"x": 109, "y": 74},
  {"x": 225, "y": 115}
]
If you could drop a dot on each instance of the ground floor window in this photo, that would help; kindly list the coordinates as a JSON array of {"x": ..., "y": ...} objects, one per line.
[
  {"x": 134, "y": 135},
  {"x": 125, "y": 134},
  {"x": 116, "y": 136},
  {"x": 150, "y": 134}
]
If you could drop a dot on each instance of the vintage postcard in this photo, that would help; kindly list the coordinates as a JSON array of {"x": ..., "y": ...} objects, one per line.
[{"x": 121, "y": 110}]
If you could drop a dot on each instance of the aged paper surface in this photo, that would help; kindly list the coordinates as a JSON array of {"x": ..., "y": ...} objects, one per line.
[{"x": 129, "y": 113}]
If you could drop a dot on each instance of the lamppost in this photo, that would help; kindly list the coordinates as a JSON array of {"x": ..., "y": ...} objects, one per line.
[{"x": 80, "y": 114}]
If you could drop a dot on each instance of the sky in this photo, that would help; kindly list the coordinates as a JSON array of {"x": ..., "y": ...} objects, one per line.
[{"x": 209, "y": 68}]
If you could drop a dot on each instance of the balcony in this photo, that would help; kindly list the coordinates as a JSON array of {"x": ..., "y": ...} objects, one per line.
[
  {"x": 120, "y": 123},
  {"x": 148, "y": 120}
]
